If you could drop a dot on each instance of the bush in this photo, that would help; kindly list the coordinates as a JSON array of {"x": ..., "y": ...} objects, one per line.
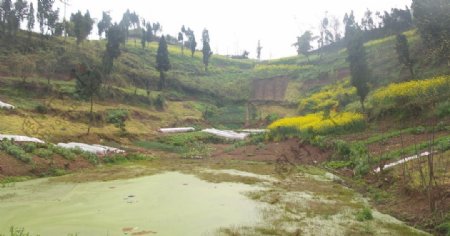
[
  {"x": 42, "y": 109},
  {"x": 43, "y": 153},
  {"x": 15, "y": 151},
  {"x": 160, "y": 102},
  {"x": 364, "y": 214},
  {"x": 342, "y": 150},
  {"x": 198, "y": 150},
  {"x": 63, "y": 152},
  {"x": 91, "y": 157},
  {"x": 443, "y": 109},
  {"x": 29, "y": 147},
  {"x": 117, "y": 118}
]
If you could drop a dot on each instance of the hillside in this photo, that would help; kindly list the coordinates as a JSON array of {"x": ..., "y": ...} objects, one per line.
[{"x": 323, "y": 123}]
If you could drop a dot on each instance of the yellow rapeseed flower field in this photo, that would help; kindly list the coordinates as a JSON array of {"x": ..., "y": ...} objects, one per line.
[
  {"x": 321, "y": 122},
  {"x": 415, "y": 92}
]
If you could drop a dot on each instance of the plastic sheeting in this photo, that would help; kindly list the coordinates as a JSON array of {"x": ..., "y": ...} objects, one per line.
[
  {"x": 406, "y": 159},
  {"x": 228, "y": 134},
  {"x": 254, "y": 131},
  {"x": 6, "y": 105},
  {"x": 20, "y": 138},
  {"x": 177, "y": 130},
  {"x": 96, "y": 149}
]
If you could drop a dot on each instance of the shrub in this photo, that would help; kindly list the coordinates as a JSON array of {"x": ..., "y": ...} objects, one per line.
[
  {"x": 321, "y": 123},
  {"x": 364, "y": 214},
  {"x": 15, "y": 151},
  {"x": 198, "y": 150},
  {"x": 63, "y": 152},
  {"x": 43, "y": 153},
  {"x": 160, "y": 102},
  {"x": 118, "y": 117},
  {"x": 342, "y": 150},
  {"x": 29, "y": 147},
  {"x": 42, "y": 109},
  {"x": 91, "y": 157},
  {"x": 443, "y": 109}
]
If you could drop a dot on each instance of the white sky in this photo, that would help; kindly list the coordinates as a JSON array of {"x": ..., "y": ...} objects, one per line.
[{"x": 235, "y": 25}]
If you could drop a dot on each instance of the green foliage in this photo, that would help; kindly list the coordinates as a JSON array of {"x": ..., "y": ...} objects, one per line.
[
  {"x": 443, "y": 109},
  {"x": 162, "y": 61},
  {"x": 188, "y": 139},
  {"x": 303, "y": 44},
  {"x": 117, "y": 117},
  {"x": 63, "y": 152},
  {"x": 432, "y": 20},
  {"x": 41, "y": 109},
  {"x": 115, "y": 36},
  {"x": 121, "y": 158},
  {"x": 160, "y": 102},
  {"x": 207, "y": 53},
  {"x": 197, "y": 150},
  {"x": 360, "y": 75},
  {"x": 402, "y": 49},
  {"x": 104, "y": 24},
  {"x": 155, "y": 145},
  {"x": 91, "y": 157},
  {"x": 15, "y": 151},
  {"x": 444, "y": 228},
  {"x": 339, "y": 164},
  {"x": 364, "y": 214},
  {"x": 342, "y": 149},
  {"x": 29, "y": 147},
  {"x": 82, "y": 25},
  {"x": 43, "y": 153}
]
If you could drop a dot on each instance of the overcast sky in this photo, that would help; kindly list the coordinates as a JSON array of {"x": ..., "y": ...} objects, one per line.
[{"x": 237, "y": 25}]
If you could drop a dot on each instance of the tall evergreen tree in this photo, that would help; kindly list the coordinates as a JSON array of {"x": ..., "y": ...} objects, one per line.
[
  {"x": 162, "y": 62},
  {"x": 115, "y": 36},
  {"x": 258, "y": 50},
  {"x": 402, "y": 49},
  {"x": 82, "y": 25},
  {"x": 359, "y": 70},
  {"x": 303, "y": 44},
  {"x": 20, "y": 12},
  {"x": 7, "y": 14},
  {"x": 149, "y": 32},
  {"x": 433, "y": 22},
  {"x": 31, "y": 19},
  {"x": 207, "y": 53},
  {"x": 88, "y": 84},
  {"x": 181, "y": 41},
  {"x": 104, "y": 24}
]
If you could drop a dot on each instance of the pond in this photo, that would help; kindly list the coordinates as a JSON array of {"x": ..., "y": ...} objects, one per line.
[{"x": 170, "y": 203}]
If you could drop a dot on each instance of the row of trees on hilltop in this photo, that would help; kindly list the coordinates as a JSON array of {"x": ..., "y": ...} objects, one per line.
[
  {"x": 12, "y": 15},
  {"x": 371, "y": 25}
]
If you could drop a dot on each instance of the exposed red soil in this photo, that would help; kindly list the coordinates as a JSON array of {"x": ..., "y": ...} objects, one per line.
[
  {"x": 269, "y": 89},
  {"x": 10, "y": 166},
  {"x": 292, "y": 150}
]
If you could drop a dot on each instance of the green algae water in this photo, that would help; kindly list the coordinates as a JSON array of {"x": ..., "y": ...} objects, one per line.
[{"x": 164, "y": 204}]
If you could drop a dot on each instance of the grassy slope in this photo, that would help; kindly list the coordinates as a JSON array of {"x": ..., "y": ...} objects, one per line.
[{"x": 223, "y": 88}]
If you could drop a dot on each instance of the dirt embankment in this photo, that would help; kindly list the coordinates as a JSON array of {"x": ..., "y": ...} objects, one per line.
[
  {"x": 272, "y": 89},
  {"x": 292, "y": 150}
]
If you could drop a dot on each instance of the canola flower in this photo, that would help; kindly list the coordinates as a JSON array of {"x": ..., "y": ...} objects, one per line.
[
  {"x": 321, "y": 122},
  {"x": 414, "y": 92},
  {"x": 330, "y": 96}
]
